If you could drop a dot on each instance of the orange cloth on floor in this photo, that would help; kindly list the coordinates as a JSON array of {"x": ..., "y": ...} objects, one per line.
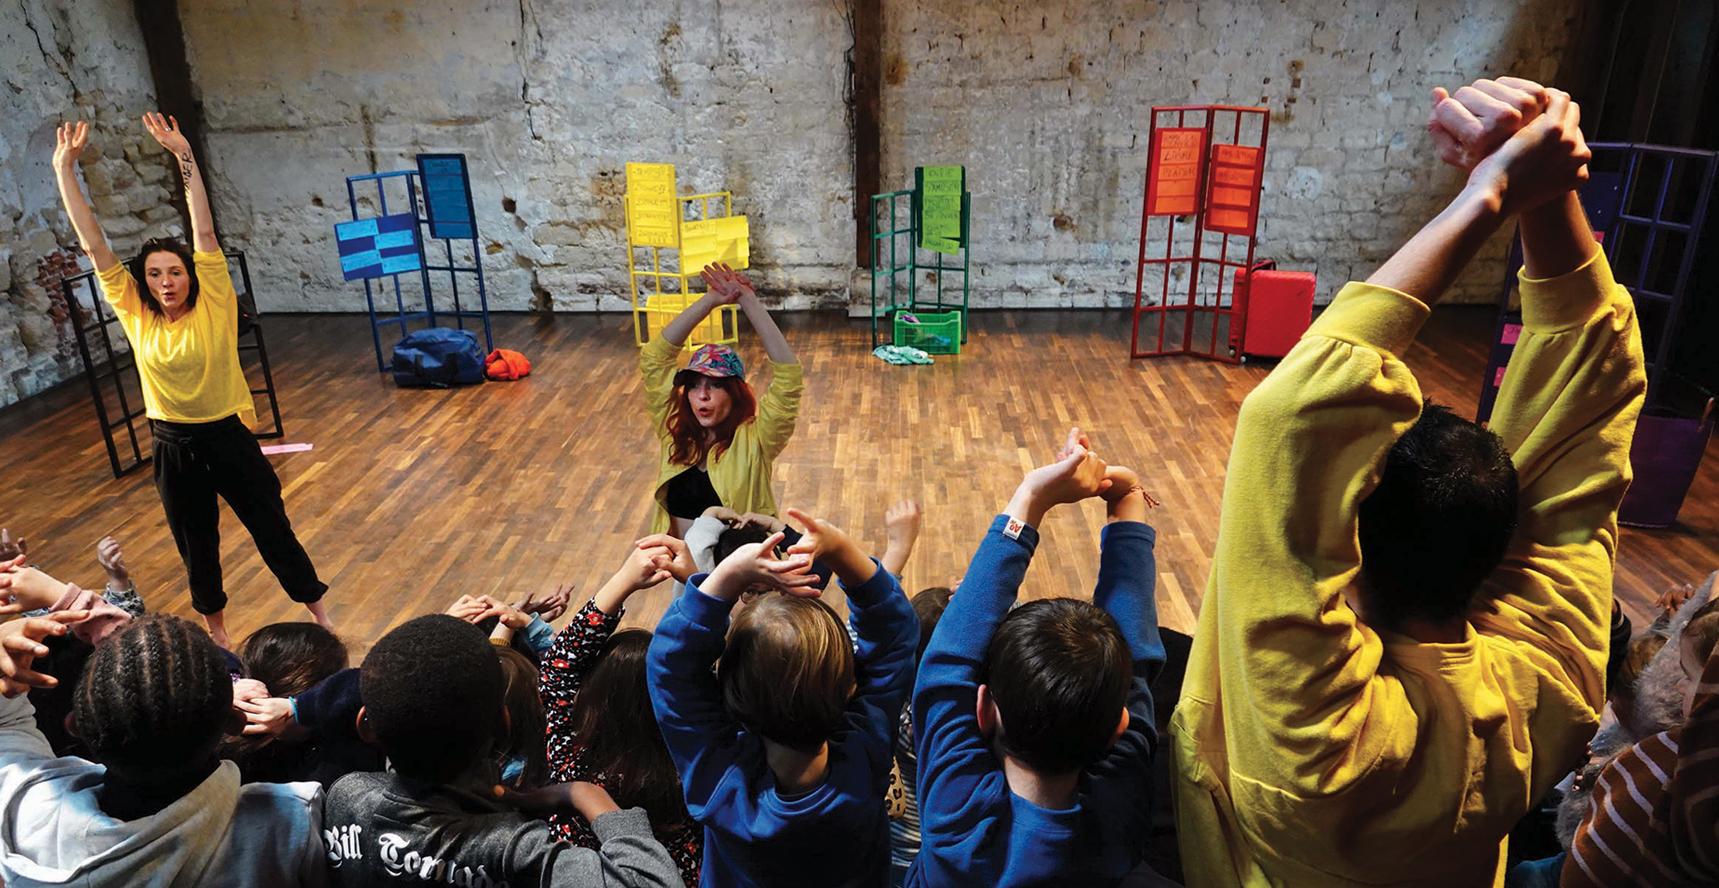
[{"x": 506, "y": 364}]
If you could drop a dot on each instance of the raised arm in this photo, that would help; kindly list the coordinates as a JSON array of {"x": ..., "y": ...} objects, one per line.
[
  {"x": 69, "y": 143},
  {"x": 561, "y": 671},
  {"x": 901, "y": 524},
  {"x": 22, "y": 746},
  {"x": 1470, "y": 124},
  {"x": 1309, "y": 445},
  {"x": 677, "y": 330},
  {"x": 165, "y": 129},
  {"x": 734, "y": 287},
  {"x": 1566, "y": 410},
  {"x": 697, "y": 730},
  {"x": 954, "y": 755},
  {"x": 775, "y": 344},
  {"x": 660, "y": 358},
  {"x": 779, "y": 409},
  {"x": 1127, "y": 590},
  {"x": 884, "y": 625}
]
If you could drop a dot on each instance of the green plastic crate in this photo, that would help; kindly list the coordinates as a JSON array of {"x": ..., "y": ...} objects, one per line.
[{"x": 932, "y": 332}]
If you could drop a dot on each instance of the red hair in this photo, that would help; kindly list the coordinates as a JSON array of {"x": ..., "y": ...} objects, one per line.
[{"x": 690, "y": 444}]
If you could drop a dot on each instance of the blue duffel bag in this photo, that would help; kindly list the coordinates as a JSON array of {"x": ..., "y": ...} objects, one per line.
[{"x": 438, "y": 357}]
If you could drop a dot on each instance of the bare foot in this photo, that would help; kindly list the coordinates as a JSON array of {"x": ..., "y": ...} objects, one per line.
[
  {"x": 217, "y": 623},
  {"x": 320, "y": 615}
]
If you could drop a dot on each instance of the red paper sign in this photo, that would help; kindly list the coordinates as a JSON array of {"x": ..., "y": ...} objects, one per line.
[
  {"x": 1232, "y": 203},
  {"x": 1173, "y": 180}
]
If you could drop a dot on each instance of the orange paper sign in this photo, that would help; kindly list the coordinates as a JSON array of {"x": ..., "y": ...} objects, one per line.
[
  {"x": 1232, "y": 206},
  {"x": 1173, "y": 177}
]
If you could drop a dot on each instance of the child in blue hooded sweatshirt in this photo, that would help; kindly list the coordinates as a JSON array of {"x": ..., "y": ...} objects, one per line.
[
  {"x": 784, "y": 750},
  {"x": 1034, "y": 727}
]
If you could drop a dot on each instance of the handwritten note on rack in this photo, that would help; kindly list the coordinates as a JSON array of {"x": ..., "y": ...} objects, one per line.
[
  {"x": 941, "y": 189},
  {"x": 653, "y": 214}
]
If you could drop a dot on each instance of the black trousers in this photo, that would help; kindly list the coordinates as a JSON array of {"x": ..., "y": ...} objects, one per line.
[{"x": 195, "y": 462}]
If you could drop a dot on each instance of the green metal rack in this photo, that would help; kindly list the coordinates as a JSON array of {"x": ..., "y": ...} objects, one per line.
[{"x": 895, "y": 252}]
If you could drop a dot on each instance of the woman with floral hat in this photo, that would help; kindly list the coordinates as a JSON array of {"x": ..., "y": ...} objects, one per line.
[{"x": 719, "y": 440}]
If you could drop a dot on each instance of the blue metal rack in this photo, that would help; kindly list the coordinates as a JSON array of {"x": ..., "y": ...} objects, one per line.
[{"x": 430, "y": 228}]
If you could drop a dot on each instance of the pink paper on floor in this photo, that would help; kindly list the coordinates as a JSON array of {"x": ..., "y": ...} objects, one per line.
[{"x": 272, "y": 449}]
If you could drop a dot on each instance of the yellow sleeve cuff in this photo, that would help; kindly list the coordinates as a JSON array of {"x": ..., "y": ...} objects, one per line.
[
  {"x": 1570, "y": 300},
  {"x": 1376, "y": 317}
]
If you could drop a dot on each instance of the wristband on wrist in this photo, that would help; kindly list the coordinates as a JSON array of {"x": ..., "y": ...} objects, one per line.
[{"x": 1147, "y": 497}]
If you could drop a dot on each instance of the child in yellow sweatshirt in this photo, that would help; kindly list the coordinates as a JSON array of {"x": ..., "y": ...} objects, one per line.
[{"x": 1403, "y": 641}]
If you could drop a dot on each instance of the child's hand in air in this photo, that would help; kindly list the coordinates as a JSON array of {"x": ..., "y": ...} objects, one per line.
[{"x": 755, "y": 565}]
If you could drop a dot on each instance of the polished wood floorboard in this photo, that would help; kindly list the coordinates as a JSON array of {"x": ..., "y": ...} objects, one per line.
[{"x": 411, "y": 498}]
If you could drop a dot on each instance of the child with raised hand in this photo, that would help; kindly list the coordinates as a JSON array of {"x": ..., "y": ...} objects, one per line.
[
  {"x": 784, "y": 751},
  {"x": 1034, "y": 727},
  {"x": 598, "y": 710}
]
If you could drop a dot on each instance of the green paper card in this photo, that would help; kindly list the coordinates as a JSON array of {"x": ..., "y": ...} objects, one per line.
[{"x": 940, "y": 191}]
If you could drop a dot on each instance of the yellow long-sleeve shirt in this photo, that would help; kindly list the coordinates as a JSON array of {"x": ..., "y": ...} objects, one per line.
[
  {"x": 189, "y": 368},
  {"x": 740, "y": 474},
  {"x": 1311, "y": 749}
]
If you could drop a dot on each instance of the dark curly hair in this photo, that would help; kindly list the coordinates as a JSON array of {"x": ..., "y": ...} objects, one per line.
[
  {"x": 141, "y": 274},
  {"x": 432, "y": 691}
]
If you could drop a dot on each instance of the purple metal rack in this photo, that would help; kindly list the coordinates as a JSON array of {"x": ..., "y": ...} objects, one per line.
[{"x": 1626, "y": 203}]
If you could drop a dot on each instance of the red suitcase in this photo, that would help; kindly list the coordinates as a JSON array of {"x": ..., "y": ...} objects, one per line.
[{"x": 1277, "y": 307}]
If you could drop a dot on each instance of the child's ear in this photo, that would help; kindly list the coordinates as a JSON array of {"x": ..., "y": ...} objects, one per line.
[
  {"x": 72, "y": 727},
  {"x": 1121, "y": 726},
  {"x": 985, "y": 709},
  {"x": 362, "y": 723}
]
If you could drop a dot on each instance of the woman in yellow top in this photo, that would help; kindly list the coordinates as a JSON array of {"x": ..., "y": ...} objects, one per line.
[
  {"x": 183, "y": 328},
  {"x": 719, "y": 441}
]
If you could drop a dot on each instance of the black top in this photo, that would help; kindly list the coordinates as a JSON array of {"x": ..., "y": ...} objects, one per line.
[{"x": 688, "y": 494}]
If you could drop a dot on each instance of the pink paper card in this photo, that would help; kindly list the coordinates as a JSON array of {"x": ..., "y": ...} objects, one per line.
[
  {"x": 272, "y": 449},
  {"x": 1512, "y": 332}
]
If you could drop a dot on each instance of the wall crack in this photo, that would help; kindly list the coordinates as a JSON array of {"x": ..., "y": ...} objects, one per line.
[
  {"x": 49, "y": 59},
  {"x": 527, "y": 55}
]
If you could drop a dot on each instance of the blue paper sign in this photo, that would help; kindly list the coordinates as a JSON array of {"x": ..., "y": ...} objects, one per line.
[
  {"x": 447, "y": 195},
  {"x": 372, "y": 248}
]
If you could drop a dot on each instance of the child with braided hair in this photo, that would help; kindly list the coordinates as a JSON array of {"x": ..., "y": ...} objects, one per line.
[{"x": 156, "y": 806}]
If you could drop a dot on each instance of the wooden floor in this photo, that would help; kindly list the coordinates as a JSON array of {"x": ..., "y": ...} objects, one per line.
[{"x": 411, "y": 498}]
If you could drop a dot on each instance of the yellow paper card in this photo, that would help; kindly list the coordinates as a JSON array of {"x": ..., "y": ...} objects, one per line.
[
  {"x": 653, "y": 214},
  {"x": 704, "y": 241}
]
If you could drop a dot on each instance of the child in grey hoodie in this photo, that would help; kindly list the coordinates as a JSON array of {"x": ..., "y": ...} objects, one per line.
[{"x": 157, "y": 808}]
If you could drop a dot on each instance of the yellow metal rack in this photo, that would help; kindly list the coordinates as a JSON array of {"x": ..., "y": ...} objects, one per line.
[{"x": 670, "y": 237}]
